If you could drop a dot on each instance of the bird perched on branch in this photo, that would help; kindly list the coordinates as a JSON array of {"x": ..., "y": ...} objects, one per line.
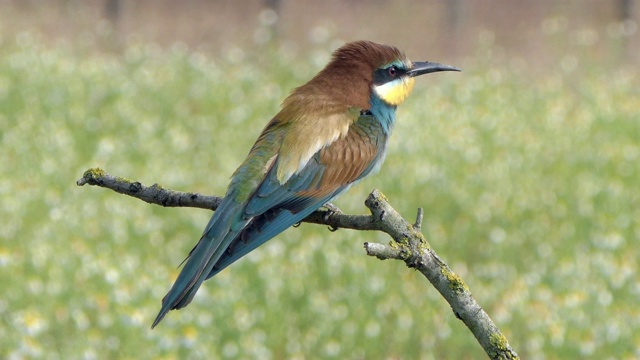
[{"x": 331, "y": 132}]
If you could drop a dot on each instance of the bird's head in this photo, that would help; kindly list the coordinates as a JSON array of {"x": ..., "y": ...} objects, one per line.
[
  {"x": 393, "y": 81},
  {"x": 361, "y": 69}
]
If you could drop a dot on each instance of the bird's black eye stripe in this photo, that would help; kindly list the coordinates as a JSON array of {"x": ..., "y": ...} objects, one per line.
[{"x": 387, "y": 74}]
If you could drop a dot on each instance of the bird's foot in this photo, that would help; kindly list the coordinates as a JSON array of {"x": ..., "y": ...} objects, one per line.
[{"x": 331, "y": 209}]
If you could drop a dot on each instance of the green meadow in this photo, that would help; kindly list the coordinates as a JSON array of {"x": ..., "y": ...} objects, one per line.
[{"x": 530, "y": 184}]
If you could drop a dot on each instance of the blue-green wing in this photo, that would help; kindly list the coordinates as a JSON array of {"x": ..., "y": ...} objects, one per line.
[{"x": 275, "y": 207}]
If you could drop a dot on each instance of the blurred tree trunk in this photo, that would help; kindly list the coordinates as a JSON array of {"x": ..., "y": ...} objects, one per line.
[
  {"x": 455, "y": 18},
  {"x": 113, "y": 13},
  {"x": 624, "y": 16},
  {"x": 624, "y": 9},
  {"x": 274, "y": 5},
  {"x": 112, "y": 10}
]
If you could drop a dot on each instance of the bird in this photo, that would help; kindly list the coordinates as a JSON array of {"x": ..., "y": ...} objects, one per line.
[{"x": 329, "y": 133}]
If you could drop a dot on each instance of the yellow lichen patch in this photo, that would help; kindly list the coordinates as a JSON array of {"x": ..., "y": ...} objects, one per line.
[
  {"x": 424, "y": 244},
  {"x": 455, "y": 282},
  {"x": 498, "y": 340},
  {"x": 93, "y": 173}
]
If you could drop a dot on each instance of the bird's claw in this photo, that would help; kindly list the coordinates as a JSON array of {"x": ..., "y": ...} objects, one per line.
[{"x": 331, "y": 209}]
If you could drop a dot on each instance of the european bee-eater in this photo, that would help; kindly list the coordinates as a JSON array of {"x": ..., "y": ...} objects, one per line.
[{"x": 330, "y": 133}]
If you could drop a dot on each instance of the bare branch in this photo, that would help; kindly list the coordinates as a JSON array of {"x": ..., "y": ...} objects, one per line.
[
  {"x": 154, "y": 194},
  {"x": 408, "y": 245}
]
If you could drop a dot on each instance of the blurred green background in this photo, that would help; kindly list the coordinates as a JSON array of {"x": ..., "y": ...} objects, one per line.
[{"x": 527, "y": 165}]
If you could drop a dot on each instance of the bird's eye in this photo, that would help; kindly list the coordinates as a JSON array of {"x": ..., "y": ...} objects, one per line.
[{"x": 392, "y": 71}]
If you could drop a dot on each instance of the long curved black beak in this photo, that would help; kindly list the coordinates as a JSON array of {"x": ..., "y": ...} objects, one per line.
[{"x": 425, "y": 67}]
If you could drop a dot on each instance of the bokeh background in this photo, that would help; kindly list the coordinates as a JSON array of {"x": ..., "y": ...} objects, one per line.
[{"x": 527, "y": 165}]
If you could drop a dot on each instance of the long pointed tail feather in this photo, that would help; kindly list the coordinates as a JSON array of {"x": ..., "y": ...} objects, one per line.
[
  {"x": 214, "y": 242},
  {"x": 211, "y": 254}
]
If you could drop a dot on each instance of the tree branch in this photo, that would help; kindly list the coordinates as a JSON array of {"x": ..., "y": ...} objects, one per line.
[{"x": 408, "y": 245}]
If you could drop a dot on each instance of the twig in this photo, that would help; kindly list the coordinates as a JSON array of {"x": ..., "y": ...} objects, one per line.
[{"x": 408, "y": 245}]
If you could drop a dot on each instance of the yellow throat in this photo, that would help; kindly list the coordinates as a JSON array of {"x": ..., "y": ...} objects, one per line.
[{"x": 394, "y": 92}]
